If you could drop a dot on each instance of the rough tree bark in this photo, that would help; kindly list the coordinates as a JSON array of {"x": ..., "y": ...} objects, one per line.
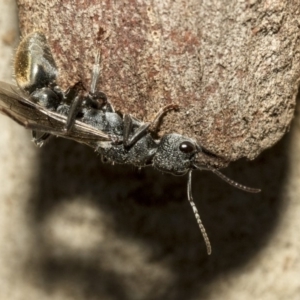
[{"x": 233, "y": 66}]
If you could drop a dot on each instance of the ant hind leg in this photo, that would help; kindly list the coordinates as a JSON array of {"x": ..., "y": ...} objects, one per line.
[{"x": 144, "y": 128}]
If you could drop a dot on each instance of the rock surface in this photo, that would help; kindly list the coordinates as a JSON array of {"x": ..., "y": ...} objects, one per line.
[{"x": 233, "y": 68}]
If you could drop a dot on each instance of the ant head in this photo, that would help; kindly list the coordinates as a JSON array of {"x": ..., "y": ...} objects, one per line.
[{"x": 175, "y": 154}]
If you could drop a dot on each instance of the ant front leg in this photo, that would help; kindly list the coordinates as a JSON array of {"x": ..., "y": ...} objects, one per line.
[
  {"x": 158, "y": 117},
  {"x": 143, "y": 129}
]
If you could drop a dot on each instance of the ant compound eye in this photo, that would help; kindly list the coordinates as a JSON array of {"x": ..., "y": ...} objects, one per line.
[
  {"x": 175, "y": 154},
  {"x": 187, "y": 147}
]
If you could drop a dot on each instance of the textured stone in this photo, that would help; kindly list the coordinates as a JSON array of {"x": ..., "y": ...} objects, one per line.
[{"x": 233, "y": 67}]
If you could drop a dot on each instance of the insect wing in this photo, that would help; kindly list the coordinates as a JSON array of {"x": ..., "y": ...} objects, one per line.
[{"x": 18, "y": 107}]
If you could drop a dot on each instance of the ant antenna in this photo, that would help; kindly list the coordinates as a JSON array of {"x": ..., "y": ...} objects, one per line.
[
  {"x": 95, "y": 73},
  {"x": 232, "y": 182},
  {"x": 196, "y": 213},
  {"x": 195, "y": 210}
]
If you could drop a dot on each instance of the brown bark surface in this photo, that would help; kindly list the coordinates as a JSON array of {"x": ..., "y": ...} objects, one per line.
[{"x": 232, "y": 66}]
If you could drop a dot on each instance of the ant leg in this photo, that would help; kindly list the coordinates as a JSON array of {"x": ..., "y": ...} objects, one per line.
[
  {"x": 157, "y": 119},
  {"x": 143, "y": 129},
  {"x": 40, "y": 140},
  {"x": 73, "y": 100},
  {"x": 75, "y": 96},
  {"x": 89, "y": 101},
  {"x": 95, "y": 95},
  {"x": 95, "y": 74},
  {"x": 128, "y": 125},
  {"x": 72, "y": 92},
  {"x": 74, "y": 108}
]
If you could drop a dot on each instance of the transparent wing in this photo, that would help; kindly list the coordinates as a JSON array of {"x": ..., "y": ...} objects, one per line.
[{"x": 32, "y": 116}]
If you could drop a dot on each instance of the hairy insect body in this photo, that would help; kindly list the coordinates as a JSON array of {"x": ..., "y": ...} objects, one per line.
[
  {"x": 139, "y": 155},
  {"x": 88, "y": 117},
  {"x": 108, "y": 122},
  {"x": 164, "y": 154}
]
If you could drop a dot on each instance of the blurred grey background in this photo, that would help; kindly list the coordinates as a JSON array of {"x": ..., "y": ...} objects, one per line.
[{"x": 74, "y": 228}]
